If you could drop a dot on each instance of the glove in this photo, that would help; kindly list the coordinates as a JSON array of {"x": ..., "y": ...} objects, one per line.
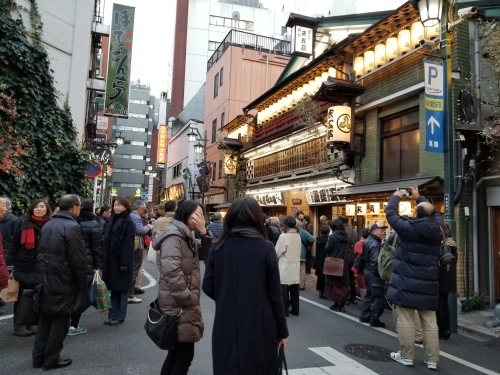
[{"x": 123, "y": 267}]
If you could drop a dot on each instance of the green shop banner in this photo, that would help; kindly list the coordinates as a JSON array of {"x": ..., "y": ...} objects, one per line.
[{"x": 120, "y": 61}]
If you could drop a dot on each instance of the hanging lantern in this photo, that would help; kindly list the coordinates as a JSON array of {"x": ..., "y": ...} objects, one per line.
[
  {"x": 369, "y": 61},
  {"x": 313, "y": 87},
  {"x": 350, "y": 209},
  {"x": 332, "y": 72},
  {"x": 338, "y": 125},
  {"x": 404, "y": 40},
  {"x": 405, "y": 208},
  {"x": 432, "y": 32},
  {"x": 324, "y": 76},
  {"x": 391, "y": 49},
  {"x": 379, "y": 55},
  {"x": 306, "y": 88},
  {"x": 361, "y": 209},
  {"x": 359, "y": 66},
  {"x": 430, "y": 12},
  {"x": 417, "y": 33},
  {"x": 374, "y": 208}
]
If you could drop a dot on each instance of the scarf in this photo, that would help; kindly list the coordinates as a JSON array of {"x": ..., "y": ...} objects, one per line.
[
  {"x": 246, "y": 232},
  {"x": 28, "y": 231}
]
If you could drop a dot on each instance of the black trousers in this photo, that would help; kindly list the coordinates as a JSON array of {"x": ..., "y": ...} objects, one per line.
[
  {"x": 179, "y": 359},
  {"x": 352, "y": 285},
  {"x": 137, "y": 267},
  {"x": 49, "y": 339},
  {"x": 443, "y": 314},
  {"x": 290, "y": 298},
  {"x": 374, "y": 301}
]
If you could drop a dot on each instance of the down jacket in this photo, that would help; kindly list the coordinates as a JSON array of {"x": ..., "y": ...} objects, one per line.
[
  {"x": 180, "y": 278},
  {"x": 336, "y": 246},
  {"x": 60, "y": 265},
  {"x": 93, "y": 241},
  {"x": 414, "y": 279},
  {"x": 288, "y": 250}
]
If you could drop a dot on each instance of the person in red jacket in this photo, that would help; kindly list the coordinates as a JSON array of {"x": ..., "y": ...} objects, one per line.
[{"x": 4, "y": 274}]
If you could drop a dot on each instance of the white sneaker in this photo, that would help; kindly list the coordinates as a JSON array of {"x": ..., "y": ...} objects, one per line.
[
  {"x": 134, "y": 300},
  {"x": 431, "y": 365},
  {"x": 399, "y": 357}
]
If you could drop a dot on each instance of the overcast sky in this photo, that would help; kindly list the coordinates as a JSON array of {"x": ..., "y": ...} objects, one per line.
[{"x": 155, "y": 21}]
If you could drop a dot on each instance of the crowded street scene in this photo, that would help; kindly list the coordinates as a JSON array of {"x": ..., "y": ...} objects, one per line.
[{"x": 245, "y": 187}]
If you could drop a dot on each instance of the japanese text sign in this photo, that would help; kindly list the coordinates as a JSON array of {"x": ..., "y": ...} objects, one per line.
[
  {"x": 434, "y": 106},
  {"x": 162, "y": 144},
  {"x": 302, "y": 41}
]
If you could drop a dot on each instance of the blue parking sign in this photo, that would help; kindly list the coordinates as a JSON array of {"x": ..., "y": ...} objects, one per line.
[{"x": 434, "y": 106}]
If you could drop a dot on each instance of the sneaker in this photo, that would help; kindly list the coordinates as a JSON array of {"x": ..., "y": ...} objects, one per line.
[
  {"x": 431, "y": 365},
  {"x": 76, "y": 331},
  {"x": 399, "y": 357},
  {"x": 134, "y": 300},
  {"x": 377, "y": 323}
]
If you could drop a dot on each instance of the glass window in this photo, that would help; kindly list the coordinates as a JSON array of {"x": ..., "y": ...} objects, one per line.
[
  {"x": 176, "y": 170},
  {"x": 216, "y": 85},
  {"x": 220, "y": 168},
  {"x": 221, "y": 76},
  {"x": 214, "y": 171},
  {"x": 222, "y": 119},
  {"x": 214, "y": 130}
]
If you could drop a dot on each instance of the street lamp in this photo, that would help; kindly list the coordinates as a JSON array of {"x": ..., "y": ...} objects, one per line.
[{"x": 199, "y": 148}]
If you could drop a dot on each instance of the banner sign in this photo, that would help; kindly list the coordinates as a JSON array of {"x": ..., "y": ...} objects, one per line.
[
  {"x": 434, "y": 106},
  {"x": 229, "y": 165},
  {"x": 120, "y": 61},
  {"x": 271, "y": 199},
  {"x": 102, "y": 123},
  {"x": 162, "y": 144},
  {"x": 103, "y": 156}
]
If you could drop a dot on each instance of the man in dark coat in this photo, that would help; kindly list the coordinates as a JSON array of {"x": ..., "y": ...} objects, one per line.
[
  {"x": 215, "y": 227},
  {"x": 60, "y": 274},
  {"x": 373, "y": 303},
  {"x": 7, "y": 225},
  {"x": 353, "y": 238},
  {"x": 414, "y": 280}
]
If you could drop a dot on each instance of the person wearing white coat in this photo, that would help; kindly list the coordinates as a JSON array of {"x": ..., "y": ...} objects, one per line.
[{"x": 288, "y": 250}]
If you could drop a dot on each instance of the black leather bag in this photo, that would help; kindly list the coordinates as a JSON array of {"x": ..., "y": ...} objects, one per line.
[
  {"x": 282, "y": 361},
  {"x": 445, "y": 255},
  {"x": 25, "y": 312},
  {"x": 161, "y": 328}
]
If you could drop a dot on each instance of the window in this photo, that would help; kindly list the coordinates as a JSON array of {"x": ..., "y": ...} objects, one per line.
[
  {"x": 212, "y": 46},
  {"x": 176, "y": 170},
  {"x": 216, "y": 85},
  {"x": 222, "y": 119},
  {"x": 214, "y": 171},
  {"x": 400, "y": 146},
  {"x": 220, "y": 168},
  {"x": 214, "y": 131},
  {"x": 221, "y": 76}
]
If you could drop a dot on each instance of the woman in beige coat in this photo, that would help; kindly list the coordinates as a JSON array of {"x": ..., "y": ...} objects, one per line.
[
  {"x": 179, "y": 283},
  {"x": 288, "y": 250}
]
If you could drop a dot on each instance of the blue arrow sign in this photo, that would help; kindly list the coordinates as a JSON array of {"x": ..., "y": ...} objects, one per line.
[{"x": 434, "y": 106}]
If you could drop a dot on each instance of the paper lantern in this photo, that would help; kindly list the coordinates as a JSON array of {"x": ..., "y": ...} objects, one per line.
[
  {"x": 374, "y": 208},
  {"x": 417, "y": 33},
  {"x": 361, "y": 209},
  {"x": 391, "y": 49},
  {"x": 332, "y": 72},
  {"x": 313, "y": 87},
  {"x": 359, "y": 66},
  {"x": 350, "y": 209},
  {"x": 432, "y": 32},
  {"x": 338, "y": 125},
  {"x": 324, "y": 76},
  {"x": 405, "y": 208},
  {"x": 369, "y": 61},
  {"x": 379, "y": 55},
  {"x": 404, "y": 40}
]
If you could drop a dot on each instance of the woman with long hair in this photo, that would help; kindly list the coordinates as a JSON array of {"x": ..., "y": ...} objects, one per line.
[
  {"x": 23, "y": 253},
  {"x": 242, "y": 276},
  {"x": 118, "y": 259},
  {"x": 180, "y": 279},
  {"x": 321, "y": 241}
]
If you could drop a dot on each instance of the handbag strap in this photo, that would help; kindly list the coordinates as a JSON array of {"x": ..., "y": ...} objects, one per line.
[{"x": 282, "y": 360}]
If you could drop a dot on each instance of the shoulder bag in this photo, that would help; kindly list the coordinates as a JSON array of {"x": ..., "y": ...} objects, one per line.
[
  {"x": 335, "y": 266},
  {"x": 445, "y": 255},
  {"x": 161, "y": 328},
  {"x": 282, "y": 361}
]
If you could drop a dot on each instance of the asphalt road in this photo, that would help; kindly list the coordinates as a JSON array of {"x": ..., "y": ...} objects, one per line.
[{"x": 321, "y": 342}]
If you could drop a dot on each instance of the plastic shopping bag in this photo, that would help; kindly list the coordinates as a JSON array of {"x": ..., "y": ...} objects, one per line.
[
  {"x": 100, "y": 296},
  {"x": 10, "y": 294},
  {"x": 151, "y": 254}
]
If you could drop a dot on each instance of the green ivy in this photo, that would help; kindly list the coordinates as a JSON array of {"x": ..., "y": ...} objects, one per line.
[{"x": 55, "y": 162}]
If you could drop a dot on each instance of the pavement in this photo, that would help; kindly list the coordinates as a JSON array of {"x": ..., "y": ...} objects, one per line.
[{"x": 478, "y": 325}]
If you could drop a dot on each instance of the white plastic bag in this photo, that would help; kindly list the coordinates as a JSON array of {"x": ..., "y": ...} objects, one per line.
[{"x": 151, "y": 254}]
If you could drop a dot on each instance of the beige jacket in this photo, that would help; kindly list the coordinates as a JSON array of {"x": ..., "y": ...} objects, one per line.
[
  {"x": 162, "y": 222},
  {"x": 288, "y": 250},
  {"x": 180, "y": 280}
]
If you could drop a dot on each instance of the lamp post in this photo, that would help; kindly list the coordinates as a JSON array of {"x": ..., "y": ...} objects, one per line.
[
  {"x": 199, "y": 148},
  {"x": 432, "y": 13}
]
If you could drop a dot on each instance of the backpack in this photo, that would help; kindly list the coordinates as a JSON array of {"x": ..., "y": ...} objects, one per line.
[{"x": 386, "y": 257}]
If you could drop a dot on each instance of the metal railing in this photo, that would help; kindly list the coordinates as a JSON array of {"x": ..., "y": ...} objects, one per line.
[{"x": 251, "y": 41}]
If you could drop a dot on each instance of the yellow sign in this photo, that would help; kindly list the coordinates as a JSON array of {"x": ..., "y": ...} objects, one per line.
[
  {"x": 434, "y": 104},
  {"x": 138, "y": 191},
  {"x": 113, "y": 191}
]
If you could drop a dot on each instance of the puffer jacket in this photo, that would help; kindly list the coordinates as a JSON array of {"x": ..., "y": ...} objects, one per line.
[
  {"x": 414, "y": 280},
  {"x": 288, "y": 250},
  {"x": 61, "y": 265},
  {"x": 371, "y": 249},
  {"x": 93, "y": 241},
  {"x": 180, "y": 278}
]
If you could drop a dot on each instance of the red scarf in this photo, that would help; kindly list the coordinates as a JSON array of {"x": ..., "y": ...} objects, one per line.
[{"x": 28, "y": 231}]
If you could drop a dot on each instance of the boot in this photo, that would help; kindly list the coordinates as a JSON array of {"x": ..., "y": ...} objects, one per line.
[{"x": 21, "y": 331}]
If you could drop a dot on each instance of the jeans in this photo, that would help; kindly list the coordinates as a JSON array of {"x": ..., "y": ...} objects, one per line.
[
  {"x": 179, "y": 359},
  {"x": 49, "y": 339},
  {"x": 137, "y": 266},
  {"x": 119, "y": 302},
  {"x": 290, "y": 297},
  {"x": 374, "y": 301},
  {"x": 406, "y": 333},
  {"x": 443, "y": 314}
]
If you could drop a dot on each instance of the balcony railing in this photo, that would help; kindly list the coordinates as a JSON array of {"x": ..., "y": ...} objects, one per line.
[{"x": 251, "y": 41}]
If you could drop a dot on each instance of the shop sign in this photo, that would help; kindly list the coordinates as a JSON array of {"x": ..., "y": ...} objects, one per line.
[
  {"x": 162, "y": 144},
  {"x": 229, "y": 165},
  {"x": 302, "y": 41},
  {"x": 338, "y": 125},
  {"x": 271, "y": 199},
  {"x": 323, "y": 195},
  {"x": 434, "y": 106}
]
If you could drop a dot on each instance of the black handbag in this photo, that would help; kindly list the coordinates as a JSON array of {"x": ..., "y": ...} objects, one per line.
[
  {"x": 282, "y": 360},
  {"x": 161, "y": 328},
  {"x": 25, "y": 312},
  {"x": 445, "y": 255}
]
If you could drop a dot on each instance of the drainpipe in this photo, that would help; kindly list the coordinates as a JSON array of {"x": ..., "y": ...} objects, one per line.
[
  {"x": 461, "y": 159},
  {"x": 267, "y": 71}
]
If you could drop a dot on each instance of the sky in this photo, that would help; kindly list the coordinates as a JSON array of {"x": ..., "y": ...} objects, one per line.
[{"x": 154, "y": 24}]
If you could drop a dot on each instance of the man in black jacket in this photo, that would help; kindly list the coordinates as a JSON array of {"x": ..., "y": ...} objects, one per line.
[
  {"x": 60, "y": 274},
  {"x": 414, "y": 281},
  {"x": 374, "y": 301},
  {"x": 7, "y": 225}
]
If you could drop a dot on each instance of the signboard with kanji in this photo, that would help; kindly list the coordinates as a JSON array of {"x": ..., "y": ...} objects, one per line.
[
  {"x": 302, "y": 41},
  {"x": 162, "y": 144},
  {"x": 434, "y": 106},
  {"x": 120, "y": 61}
]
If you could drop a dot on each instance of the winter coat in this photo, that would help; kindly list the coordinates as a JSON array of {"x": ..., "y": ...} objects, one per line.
[
  {"x": 288, "y": 250},
  {"x": 448, "y": 277},
  {"x": 118, "y": 250},
  {"x": 93, "y": 241},
  {"x": 140, "y": 228},
  {"x": 371, "y": 249},
  {"x": 353, "y": 238},
  {"x": 60, "y": 265},
  {"x": 180, "y": 278},
  {"x": 414, "y": 279},
  {"x": 7, "y": 226},
  {"x": 307, "y": 240},
  {"x": 103, "y": 223},
  {"x": 336, "y": 247},
  {"x": 162, "y": 222},
  {"x": 4, "y": 274},
  {"x": 215, "y": 228},
  {"x": 22, "y": 259},
  {"x": 320, "y": 254},
  {"x": 242, "y": 277}
]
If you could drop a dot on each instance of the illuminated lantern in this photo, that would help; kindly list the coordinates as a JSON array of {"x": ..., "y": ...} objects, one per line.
[
  {"x": 430, "y": 12},
  {"x": 306, "y": 88},
  {"x": 324, "y": 76},
  {"x": 332, "y": 72},
  {"x": 417, "y": 33},
  {"x": 404, "y": 40},
  {"x": 405, "y": 208},
  {"x": 350, "y": 209},
  {"x": 374, "y": 208},
  {"x": 361, "y": 209},
  {"x": 313, "y": 87},
  {"x": 369, "y": 61},
  {"x": 379, "y": 55},
  {"x": 391, "y": 49},
  {"x": 338, "y": 125},
  {"x": 432, "y": 32},
  {"x": 359, "y": 66}
]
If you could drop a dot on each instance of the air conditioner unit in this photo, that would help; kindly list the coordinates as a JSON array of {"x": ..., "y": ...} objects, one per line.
[{"x": 236, "y": 15}]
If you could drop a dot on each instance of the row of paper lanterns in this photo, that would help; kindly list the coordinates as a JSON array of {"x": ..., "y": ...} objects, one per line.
[
  {"x": 287, "y": 102},
  {"x": 406, "y": 40},
  {"x": 373, "y": 208}
]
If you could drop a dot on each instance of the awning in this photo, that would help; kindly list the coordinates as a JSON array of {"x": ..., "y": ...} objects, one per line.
[
  {"x": 390, "y": 186},
  {"x": 223, "y": 205}
]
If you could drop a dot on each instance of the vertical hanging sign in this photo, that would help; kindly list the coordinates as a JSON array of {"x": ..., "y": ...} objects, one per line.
[
  {"x": 120, "y": 61},
  {"x": 434, "y": 106},
  {"x": 162, "y": 144}
]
